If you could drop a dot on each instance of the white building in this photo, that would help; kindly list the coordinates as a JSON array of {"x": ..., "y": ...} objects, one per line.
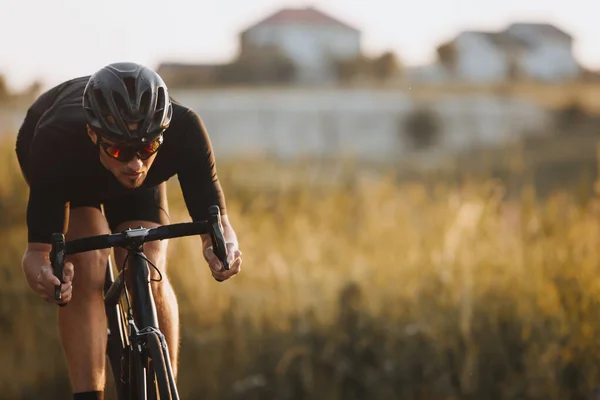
[
  {"x": 311, "y": 38},
  {"x": 366, "y": 123},
  {"x": 530, "y": 51},
  {"x": 549, "y": 52}
]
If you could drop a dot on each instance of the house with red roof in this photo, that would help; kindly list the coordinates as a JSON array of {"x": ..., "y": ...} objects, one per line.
[{"x": 312, "y": 39}]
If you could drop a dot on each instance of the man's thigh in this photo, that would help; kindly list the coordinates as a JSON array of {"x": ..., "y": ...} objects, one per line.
[{"x": 147, "y": 208}]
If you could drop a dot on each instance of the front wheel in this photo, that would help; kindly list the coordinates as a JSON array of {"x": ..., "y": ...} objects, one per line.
[{"x": 158, "y": 376}]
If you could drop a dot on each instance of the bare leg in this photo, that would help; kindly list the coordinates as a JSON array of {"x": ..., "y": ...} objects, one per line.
[{"x": 82, "y": 323}]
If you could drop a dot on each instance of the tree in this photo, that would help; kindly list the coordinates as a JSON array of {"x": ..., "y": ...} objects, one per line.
[
  {"x": 381, "y": 68},
  {"x": 386, "y": 66},
  {"x": 4, "y": 92},
  {"x": 447, "y": 56},
  {"x": 422, "y": 126},
  {"x": 259, "y": 65},
  {"x": 349, "y": 69}
]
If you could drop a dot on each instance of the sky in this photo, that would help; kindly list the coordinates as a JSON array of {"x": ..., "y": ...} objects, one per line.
[{"x": 55, "y": 40}]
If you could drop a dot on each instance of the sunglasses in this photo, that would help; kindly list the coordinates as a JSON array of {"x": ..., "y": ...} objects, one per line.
[{"x": 125, "y": 152}]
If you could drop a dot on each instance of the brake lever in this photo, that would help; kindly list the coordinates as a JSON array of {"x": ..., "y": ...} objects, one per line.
[
  {"x": 216, "y": 235},
  {"x": 57, "y": 259}
]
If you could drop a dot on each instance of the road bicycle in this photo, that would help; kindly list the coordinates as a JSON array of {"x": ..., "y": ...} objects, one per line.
[{"x": 136, "y": 348}]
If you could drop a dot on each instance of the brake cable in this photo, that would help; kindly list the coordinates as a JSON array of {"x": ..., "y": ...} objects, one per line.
[{"x": 160, "y": 277}]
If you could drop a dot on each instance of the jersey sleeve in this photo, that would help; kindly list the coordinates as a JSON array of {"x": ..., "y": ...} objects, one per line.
[
  {"x": 197, "y": 171},
  {"x": 46, "y": 214},
  {"x": 47, "y": 206}
]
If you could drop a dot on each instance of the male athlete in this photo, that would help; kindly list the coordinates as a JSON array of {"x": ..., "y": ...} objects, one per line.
[{"x": 111, "y": 140}]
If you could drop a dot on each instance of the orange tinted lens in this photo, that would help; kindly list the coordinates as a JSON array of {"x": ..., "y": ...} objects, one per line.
[
  {"x": 113, "y": 151},
  {"x": 150, "y": 148}
]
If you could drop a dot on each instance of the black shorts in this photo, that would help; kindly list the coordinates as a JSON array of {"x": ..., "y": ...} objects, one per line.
[{"x": 144, "y": 205}]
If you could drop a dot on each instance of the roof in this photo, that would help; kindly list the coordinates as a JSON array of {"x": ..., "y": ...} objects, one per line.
[
  {"x": 308, "y": 16},
  {"x": 506, "y": 41},
  {"x": 516, "y": 35},
  {"x": 545, "y": 29},
  {"x": 500, "y": 39}
]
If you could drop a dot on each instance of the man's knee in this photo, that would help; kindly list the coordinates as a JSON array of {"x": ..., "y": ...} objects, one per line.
[
  {"x": 90, "y": 271},
  {"x": 157, "y": 252},
  {"x": 160, "y": 281},
  {"x": 90, "y": 267}
]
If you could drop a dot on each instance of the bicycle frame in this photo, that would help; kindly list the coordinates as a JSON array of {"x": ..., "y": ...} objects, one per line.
[{"x": 129, "y": 296}]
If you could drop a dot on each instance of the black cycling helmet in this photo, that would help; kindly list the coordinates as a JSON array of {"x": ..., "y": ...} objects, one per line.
[{"x": 127, "y": 92}]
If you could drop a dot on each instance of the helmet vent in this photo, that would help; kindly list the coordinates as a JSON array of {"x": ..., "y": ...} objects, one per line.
[
  {"x": 130, "y": 85},
  {"x": 160, "y": 103},
  {"x": 122, "y": 107},
  {"x": 102, "y": 102},
  {"x": 145, "y": 103}
]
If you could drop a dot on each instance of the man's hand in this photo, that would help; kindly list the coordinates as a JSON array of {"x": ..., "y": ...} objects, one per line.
[
  {"x": 234, "y": 257},
  {"x": 46, "y": 281}
]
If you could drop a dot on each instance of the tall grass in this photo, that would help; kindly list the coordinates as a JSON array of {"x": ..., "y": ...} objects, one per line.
[{"x": 369, "y": 289}]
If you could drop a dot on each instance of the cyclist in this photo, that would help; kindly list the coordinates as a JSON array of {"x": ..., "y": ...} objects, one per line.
[{"x": 96, "y": 152}]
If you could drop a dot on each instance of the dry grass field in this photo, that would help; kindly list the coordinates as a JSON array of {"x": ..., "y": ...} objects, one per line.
[{"x": 373, "y": 288}]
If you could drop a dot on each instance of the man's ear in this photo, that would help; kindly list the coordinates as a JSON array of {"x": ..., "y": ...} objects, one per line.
[{"x": 92, "y": 135}]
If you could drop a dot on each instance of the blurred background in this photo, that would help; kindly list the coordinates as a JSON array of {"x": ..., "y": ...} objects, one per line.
[{"x": 414, "y": 187}]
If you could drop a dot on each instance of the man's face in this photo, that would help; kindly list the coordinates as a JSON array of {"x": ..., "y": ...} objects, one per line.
[{"x": 130, "y": 174}]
